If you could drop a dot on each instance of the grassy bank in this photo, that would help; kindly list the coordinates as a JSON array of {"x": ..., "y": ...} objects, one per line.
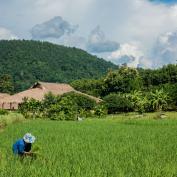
[
  {"x": 114, "y": 147},
  {"x": 10, "y": 118}
]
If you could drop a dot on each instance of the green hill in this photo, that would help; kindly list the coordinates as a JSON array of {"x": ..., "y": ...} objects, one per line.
[{"x": 30, "y": 61}]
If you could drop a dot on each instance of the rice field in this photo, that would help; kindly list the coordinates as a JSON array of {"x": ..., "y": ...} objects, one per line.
[{"x": 113, "y": 147}]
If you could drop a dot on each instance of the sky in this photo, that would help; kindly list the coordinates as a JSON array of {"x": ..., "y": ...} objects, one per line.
[
  {"x": 141, "y": 33},
  {"x": 165, "y": 1}
]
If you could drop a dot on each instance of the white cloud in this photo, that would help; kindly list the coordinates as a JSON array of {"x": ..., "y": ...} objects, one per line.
[
  {"x": 165, "y": 49},
  {"x": 130, "y": 54},
  {"x": 97, "y": 42},
  {"x": 6, "y": 34},
  {"x": 122, "y": 21},
  {"x": 53, "y": 28}
]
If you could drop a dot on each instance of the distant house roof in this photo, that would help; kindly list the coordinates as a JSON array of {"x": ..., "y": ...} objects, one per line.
[
  {"x": 3, "y": 95},
  {"x": 40, "y": 89}
]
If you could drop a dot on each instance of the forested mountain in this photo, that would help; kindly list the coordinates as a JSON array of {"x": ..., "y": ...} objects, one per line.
[{"x": 30, "y": 61}]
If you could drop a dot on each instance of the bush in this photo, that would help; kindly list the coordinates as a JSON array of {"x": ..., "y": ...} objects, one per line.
[
  {"x": 3, "y": 112},
  {"x": 30, "y": 108},
  {"x": 100, "y": 110},
  {"x": 82, "y": 101},
  {"x": 64, "y": 109},
  {"x": 118, "y": 103},
  {"x": 140, "y": 102}
]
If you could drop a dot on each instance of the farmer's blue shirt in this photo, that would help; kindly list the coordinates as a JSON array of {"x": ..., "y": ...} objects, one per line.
[{"x": 19, "y": 147}]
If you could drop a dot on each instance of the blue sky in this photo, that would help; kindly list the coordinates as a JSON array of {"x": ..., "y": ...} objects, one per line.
[
  {"x": 166, "y": 1},
  {"x": 139, "y": 32}
]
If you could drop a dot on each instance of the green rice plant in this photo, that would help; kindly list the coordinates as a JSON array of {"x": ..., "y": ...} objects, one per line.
[{"x": 117, "y": 146}]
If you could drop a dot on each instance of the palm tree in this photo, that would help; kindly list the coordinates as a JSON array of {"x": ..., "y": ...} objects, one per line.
[
  {"x": 139, "y": 101},
  {"x": 159, "y": 100}
]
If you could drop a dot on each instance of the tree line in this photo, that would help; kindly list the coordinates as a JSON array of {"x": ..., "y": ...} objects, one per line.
[{"x": 134, "y": 89}]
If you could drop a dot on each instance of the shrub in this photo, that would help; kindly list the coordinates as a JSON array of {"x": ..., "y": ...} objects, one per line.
[
  {"x": 64, "y": 109},
  {"x": 140, "y": 102},
  {"x": 85, "y": 113},
  {"x": 50, "y": 99},
  {"x": 100, "y": 110},
  {"x": 3, "y": 112},
  {"x": 82, "y": 101},
  {"x": 118, "y": 103},
  {"x": 30, "y": 108},
  {"x": 159, "y": 100}
]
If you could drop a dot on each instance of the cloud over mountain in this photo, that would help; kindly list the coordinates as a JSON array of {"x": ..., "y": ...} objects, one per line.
[
  {"x": 54, "y": 28},
  {"x": 97, "y": 42}
]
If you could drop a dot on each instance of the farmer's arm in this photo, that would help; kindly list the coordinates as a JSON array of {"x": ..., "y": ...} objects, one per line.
[
  {"x": 28, "y": 153},
  {"x": 22, "y": 150}
]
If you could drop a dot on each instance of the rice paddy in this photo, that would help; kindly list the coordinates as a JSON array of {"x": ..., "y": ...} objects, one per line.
[{"x": 113, "y": 147}]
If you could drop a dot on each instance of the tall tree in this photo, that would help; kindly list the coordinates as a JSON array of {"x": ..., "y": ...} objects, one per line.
[{"x": 123, "y": 80}]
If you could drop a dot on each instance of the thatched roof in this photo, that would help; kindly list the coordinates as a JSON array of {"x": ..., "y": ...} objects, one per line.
[
  {"x": 92, "y": 97},
  {"x": 3, "y": 95},
  {"x": 38, "y": 91}
]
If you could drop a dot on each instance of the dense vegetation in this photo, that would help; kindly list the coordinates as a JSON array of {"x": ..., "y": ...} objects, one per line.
[
  {"x": 29, "y": 61},
  {"x": 129, "y": 89},
  {"x": 122, "y": 90},
  {"x": 102, "y": 148},
  {"x": 69, "y": 106}
]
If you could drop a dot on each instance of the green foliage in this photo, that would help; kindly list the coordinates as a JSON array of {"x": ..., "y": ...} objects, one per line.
[
  {"x": 171, "y": 90},
  {"x": 90, "y": 86},
  {"x": 100, "y": 110},
  {"x": 65, "y": 107},
  {"x": 148, "y": 90},
  {"x": 122, "y": 80},
  {"x": 118, "y": 103},
  {"x": 50, "y": 99},
  {"x": 158, "y": 77},
  {"x": 140, "y": 102},
  {"x": 30, "y": 108},
  {"x": 31, "y": 61},
  {"x": 6, "y": 84},
  {"x": 3, "y": 112},
  {"x": 159, "y": 100},
  {"x": 82, "y": 101}
]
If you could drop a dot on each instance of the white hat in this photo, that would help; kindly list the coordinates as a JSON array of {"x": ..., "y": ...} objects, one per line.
[{"x": 29, "y": 138}]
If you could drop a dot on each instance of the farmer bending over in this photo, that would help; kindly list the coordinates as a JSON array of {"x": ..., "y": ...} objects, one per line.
[{"x": 23, "y": 146}]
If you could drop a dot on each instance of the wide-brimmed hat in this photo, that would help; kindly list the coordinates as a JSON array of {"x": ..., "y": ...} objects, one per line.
[{"x": 29, "y": 138}]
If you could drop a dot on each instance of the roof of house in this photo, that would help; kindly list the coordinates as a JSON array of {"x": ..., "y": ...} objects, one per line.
[
  {"x": 40, "y": 89},
  {"x": 3, "y": 95}
]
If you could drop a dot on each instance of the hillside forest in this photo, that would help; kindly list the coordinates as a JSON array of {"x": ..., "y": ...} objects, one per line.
[{"x": 24, "y": 62}]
